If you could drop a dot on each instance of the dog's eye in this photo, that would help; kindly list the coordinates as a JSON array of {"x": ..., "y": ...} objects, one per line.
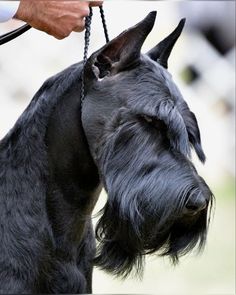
[
  {"x": 147, "y": 118},
  {"x": 155, "y": 122}
]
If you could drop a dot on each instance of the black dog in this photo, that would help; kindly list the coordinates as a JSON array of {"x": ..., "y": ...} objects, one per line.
[{"x": 133, "y": 136}]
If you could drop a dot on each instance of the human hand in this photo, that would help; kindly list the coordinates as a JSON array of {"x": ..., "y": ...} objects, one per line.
[{"x": 57, "y": 18}]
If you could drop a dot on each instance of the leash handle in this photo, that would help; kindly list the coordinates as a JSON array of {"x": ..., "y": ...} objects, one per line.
[{"x": 14, "y": 34}]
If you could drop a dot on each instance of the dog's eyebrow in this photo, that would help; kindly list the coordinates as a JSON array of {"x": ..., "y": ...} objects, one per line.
[{"x": 177, "y": 132}]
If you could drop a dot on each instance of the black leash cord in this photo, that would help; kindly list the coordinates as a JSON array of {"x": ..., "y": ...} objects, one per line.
[
  {"x": 13, "y": 34},
  {"x": 104, "y": 23},
  {"x": 88, "y": 21}
]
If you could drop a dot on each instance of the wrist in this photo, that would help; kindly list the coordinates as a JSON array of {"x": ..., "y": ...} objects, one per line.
[{"x": 23, "y": 11}]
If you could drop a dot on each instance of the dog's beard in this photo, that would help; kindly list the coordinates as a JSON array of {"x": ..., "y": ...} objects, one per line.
[{"x": 147, "y": 190}]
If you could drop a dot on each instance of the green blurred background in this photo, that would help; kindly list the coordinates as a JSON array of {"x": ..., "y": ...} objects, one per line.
[{"x": 203, "y": 66}]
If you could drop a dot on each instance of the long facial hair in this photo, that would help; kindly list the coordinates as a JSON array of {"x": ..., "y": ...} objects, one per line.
[{"x": 146, "y": 196}]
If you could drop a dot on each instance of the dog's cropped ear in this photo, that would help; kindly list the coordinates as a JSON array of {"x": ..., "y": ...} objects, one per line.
[
  {"x": 123, "y": 51},
  {"x": 162, "y": 50}
]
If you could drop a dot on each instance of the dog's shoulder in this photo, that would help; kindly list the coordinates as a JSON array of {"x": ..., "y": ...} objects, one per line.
[
  {"x": 59, "y": 82},
  {"x": 46, "y": 98}
]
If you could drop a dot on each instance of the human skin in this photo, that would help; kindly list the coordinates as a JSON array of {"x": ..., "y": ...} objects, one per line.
[{"x": 57, "y": 18}]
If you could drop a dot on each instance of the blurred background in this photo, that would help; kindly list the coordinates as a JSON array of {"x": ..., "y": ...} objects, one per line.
[{"x": 203, "y": 67}]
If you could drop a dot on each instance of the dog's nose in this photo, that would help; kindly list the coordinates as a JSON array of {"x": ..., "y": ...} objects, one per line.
[{"x": 195, "y": 204}]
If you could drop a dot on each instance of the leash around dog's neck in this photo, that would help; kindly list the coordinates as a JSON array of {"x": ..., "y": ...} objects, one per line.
[{"x": 88, "y": 22}]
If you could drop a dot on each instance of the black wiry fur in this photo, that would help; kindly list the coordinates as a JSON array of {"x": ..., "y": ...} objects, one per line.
[
  {"x": 33, "y": 256},
  {"x": 134, "y": 136}
]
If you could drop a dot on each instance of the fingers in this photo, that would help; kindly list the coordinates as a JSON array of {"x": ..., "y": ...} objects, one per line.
[
  {"x": 56, "y": 18},
  {"x": 80, "y": 27},
  {"x": 81, "y": 22},
  {"x": 76, "y": 12}
]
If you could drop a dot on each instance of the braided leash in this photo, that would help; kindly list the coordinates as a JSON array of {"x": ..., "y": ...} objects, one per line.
[
  {"x": 88, "y": 21},
  {"x": 104, "y": 23}
]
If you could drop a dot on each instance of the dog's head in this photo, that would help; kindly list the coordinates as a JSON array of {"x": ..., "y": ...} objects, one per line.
[{"x": 140, "y": 133}]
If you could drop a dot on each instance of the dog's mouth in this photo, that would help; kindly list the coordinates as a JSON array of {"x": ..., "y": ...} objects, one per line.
[
  {"x": 190, "y": 212},
  {"x": 134, "y": 233}
]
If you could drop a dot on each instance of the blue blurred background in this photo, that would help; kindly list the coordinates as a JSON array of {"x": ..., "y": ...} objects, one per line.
[{"x": 203, "y": 66}]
